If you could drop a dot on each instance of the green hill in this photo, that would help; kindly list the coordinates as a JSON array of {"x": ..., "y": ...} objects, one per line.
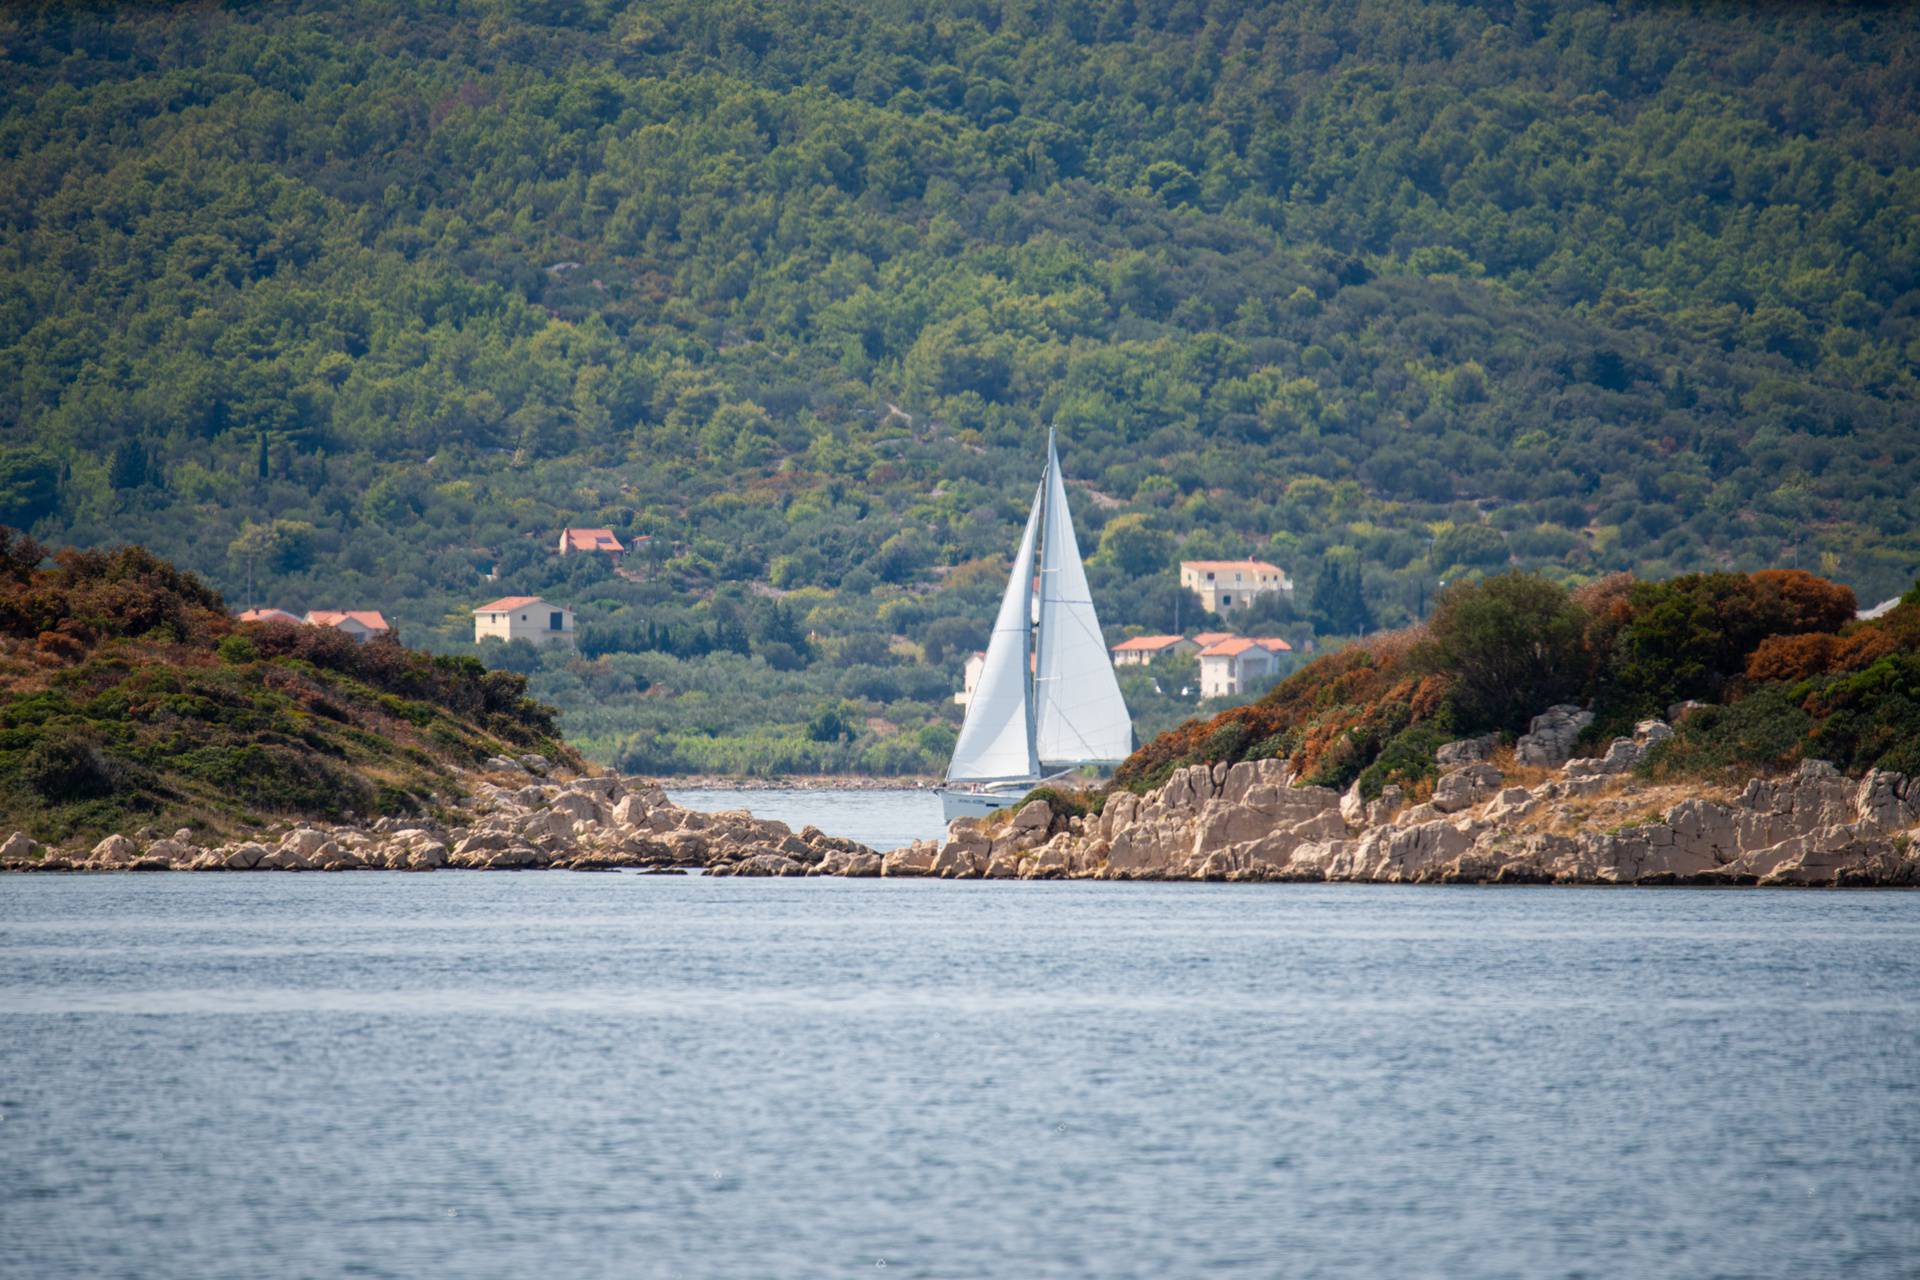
[
  {"x": 363, "y": 300},
  {"x": 129, "y": 697}
]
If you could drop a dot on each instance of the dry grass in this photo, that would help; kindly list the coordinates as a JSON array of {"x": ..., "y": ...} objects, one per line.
[{"x": 1520, "y": 775}]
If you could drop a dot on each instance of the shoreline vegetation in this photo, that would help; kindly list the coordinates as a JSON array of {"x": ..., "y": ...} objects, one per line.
[{"x": 1710, "y": 729}]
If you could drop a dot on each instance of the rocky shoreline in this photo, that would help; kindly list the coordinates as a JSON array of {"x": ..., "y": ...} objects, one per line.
[{"x": 1530, "y": 819}]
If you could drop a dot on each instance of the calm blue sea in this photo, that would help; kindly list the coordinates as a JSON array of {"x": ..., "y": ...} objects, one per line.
[
  {"x": 882, "y": 819},
  {"x": 566, "y": 1075}
]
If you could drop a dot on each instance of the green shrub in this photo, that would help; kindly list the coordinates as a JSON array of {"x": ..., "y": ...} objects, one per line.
[
  {"x": 238, "y": 649},
  {"x": 64, "y": 766},
  {"x": 1512, "y": 644},
  {"x": 1767, "y": 729}
]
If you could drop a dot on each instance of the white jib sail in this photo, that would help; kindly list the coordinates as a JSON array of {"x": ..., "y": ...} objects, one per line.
[
  {"x": 996, "y": 738},
  {"x": 1080, "y": 717}
]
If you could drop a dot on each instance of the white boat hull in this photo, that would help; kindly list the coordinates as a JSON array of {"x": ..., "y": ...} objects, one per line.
[{"x": 978, "y": 804}]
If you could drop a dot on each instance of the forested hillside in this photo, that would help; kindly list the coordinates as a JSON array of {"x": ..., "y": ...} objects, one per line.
[{"x": 364, "y": 299}]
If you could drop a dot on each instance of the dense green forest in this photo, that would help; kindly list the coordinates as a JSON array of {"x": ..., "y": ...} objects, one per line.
[{"x": 356, "y": 301}]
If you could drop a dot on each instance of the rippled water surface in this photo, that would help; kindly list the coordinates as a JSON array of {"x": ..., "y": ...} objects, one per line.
[{"x": 618, "y": 1075}]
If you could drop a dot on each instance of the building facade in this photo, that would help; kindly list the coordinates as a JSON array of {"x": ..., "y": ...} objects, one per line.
[
  {"x": 970, "y": 678},
  {"x": 526, "y": 618},
  {"x": 1142, "y": 650},
  {"x": 1226, "y": 585},
  {"x": 1240, "y": 665},
  {"x": 601, "y": 540}
]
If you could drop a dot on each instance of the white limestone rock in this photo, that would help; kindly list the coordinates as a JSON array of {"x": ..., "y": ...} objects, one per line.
[{"x": 1550, "y": 735}]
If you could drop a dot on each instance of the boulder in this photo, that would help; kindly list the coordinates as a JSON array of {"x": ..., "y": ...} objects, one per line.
[
  {"x": 1550, "y": 735},
  {"x": 1451, "y": 755},
  {"x": 1623, "y": 756},
  {"x": 244, "y": 857},
  {"x": 1465, "y": 787},
  {"x": 916, "y": 859},
  {"x": 114, "y": 851},
  {"x": 21, "y": 847},
  {"x": 577, "y": 807},
  {"x": 767, "y": 864},
  {"x": 303, "y": 841},
  {"x": 170, "y": 852}
]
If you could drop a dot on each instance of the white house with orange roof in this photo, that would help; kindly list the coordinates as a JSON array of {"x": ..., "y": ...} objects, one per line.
[
  {"x": 361, "y": 624},
  {"x": 523, "y": 618},
  {"x": 1141, "y": 651},
  {"x": 1240, "y": 664},
  {"x": 1226, "y": 585},
  {"x": 601, "y": 540},
  {"x": 266, "y": 615}
]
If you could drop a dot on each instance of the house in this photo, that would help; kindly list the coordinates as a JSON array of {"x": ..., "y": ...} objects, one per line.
[
  {"x": 572, "y": 540},
  {"x": 361, "y": 624},
  {"x": 1226, "y": 585},
  {"x": 267, "y": 615},
  {"x": 970, "y": 678},
  {"x": 1240, "y": 664},
  {"x": 1142, "y": 650},
  {"x": 523, "y": 618}
]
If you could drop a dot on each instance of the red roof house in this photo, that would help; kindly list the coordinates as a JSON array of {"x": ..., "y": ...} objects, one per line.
[{"x": 572, "y": 540}]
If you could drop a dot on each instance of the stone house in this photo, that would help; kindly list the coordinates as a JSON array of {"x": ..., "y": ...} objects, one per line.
[
  {"x": 1226, "y": 585},
  {"x": 1240, "y": 664},
  {"x": 526, "y": 618},
  {"x": 601, "y": 540},
  {"x": 970, "y": 678},
  {"x": 1142, "y": 650}
]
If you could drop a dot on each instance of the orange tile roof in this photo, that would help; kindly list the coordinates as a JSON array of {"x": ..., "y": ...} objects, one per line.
[
  {"x": 1207, "y": 638},
  {"x": 267, "y": 615},
  {"x": 1215, "y": 566},
  {"x": 1234, "y": 646},
  {"x": 1148, "y": 643},
  {"x": 507, "y": 604},
  {"x": 591, "y": 540},
  {"x": 368, "y": 618}
]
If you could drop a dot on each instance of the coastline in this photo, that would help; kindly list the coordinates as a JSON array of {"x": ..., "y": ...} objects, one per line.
[{"x": 1591, "y": 822}]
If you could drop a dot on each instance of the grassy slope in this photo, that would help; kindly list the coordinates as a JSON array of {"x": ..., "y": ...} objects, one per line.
[{"x": 128, "y": 698}]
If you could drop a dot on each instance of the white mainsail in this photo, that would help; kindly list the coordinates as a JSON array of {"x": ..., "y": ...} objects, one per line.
[
  {"x": 1080, "y": 716},
  {"x": 996, "y": 739},
  {"x": 1061, "y": 706}
]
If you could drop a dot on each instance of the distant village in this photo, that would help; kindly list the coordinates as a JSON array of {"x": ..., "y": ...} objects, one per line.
[{"x": 1229, "y": 664}]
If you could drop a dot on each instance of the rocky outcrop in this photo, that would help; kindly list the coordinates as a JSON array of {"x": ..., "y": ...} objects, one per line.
[
  {"x": 1550, "y": 736},
  {"x": 1594, "y": 824},
  {"x": 586, "y": 824}
]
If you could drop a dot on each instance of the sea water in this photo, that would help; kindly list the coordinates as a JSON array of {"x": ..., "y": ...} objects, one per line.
[
  {"x": 880, "y": 818},
  {"x": 571, "y": 1075}
]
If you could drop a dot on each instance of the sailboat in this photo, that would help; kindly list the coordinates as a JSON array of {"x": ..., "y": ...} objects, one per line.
[{"x": 1046, "y": 702}]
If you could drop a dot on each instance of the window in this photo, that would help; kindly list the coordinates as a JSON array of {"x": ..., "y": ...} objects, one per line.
[
  {"x": 1226, "y": 600},
  {"x": 553, "y": 622}
]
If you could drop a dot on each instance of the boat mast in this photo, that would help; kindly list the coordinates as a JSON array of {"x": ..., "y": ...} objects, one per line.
[{"x": 1037, "y": 596}]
